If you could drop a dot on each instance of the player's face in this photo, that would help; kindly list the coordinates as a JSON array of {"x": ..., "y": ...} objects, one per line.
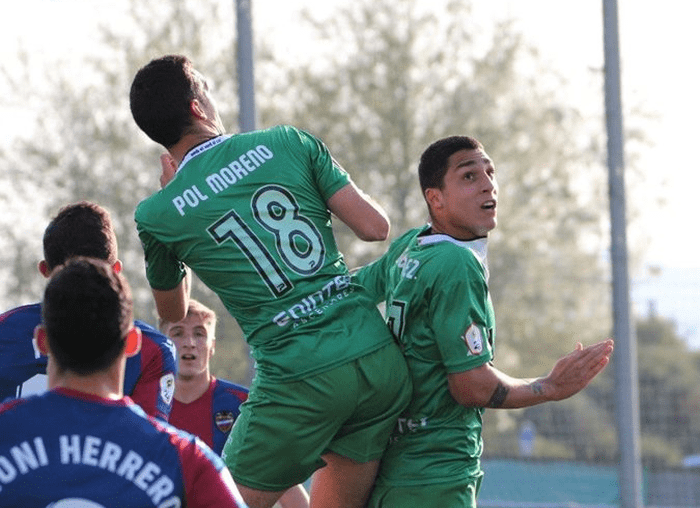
[
  {"x": 194, "y": 341},
  {"x": 209, "y": 104},
  {"x": 465, "y": 208}
]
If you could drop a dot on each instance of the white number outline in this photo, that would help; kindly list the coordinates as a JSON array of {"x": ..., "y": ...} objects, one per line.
[{"x": 278, "y": 203}]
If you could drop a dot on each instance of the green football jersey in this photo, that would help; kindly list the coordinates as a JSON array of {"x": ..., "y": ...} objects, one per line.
[
  {"x": 438, "y": 307},
  {"x": 247, "y": 213}
]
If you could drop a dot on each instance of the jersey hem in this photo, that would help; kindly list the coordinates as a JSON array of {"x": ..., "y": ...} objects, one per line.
[
  {"x": 429, "y": 481},
  {"x": 262, "y": 375}
]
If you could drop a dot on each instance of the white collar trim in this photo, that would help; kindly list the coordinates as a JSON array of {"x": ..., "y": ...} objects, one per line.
[
  {"x": 203, "y": 147},
  {"x": 479, "y": 246}
]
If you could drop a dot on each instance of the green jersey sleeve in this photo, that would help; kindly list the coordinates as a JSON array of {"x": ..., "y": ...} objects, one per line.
[
  {"x": 460, "y": 304},
  {"x": 376, "y": 277},
  {"x": 460, "y": 309},
  {"x": 373, "y": 278},
  {"x": 163, "y": 270},
  {"x": 329, "y": 175}
]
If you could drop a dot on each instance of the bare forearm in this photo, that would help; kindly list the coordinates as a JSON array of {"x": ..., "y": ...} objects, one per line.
[
  {"x": 486, "y": 386},
  {"x": 172, "y": 304},
  {"x": 523, "y": 394},
  {"x": 359, "y": 212}
]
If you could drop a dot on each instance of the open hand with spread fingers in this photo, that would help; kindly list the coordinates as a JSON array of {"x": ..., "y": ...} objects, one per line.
[{"x": 573, "y": 372}]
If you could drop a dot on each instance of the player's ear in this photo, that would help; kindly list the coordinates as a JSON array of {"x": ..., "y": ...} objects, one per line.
[
  {"x": 41, "y": 339},
  {"x": 117, "y": 266},
  {"x": 133, "y": 341},
  {"x": 44, "y": 269},
  {"x": 433, "y": 197},
  {"x": 197, "y": 110}
]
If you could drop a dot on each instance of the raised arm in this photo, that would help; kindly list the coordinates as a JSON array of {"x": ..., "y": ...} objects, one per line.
[
  {"x": 360, "y": 212},
  {"x": 486, "y": 386},
  {"x": 172, "y": 304}
]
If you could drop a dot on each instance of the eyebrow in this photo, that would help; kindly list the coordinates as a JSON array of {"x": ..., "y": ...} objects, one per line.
[
  {"x": 474, "y": 160},
  {"x": 467, "y": 162}
]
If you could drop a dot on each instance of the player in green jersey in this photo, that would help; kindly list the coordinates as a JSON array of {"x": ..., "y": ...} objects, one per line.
[
  {"x": 250, "y": 214},
  {"x": 434, "y": 281}
]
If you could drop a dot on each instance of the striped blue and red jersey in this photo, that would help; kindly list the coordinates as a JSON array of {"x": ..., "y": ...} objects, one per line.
[
  {"x": 149, "y": 379},
  {"x": 212, "y": 415},
  {"x": 68, "y": 448}
]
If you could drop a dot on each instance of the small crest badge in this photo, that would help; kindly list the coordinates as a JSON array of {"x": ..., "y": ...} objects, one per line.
[
  {"x": 472, "y": 337},
  {"x": 224, "y": 421},
  {"x": 167, "y": 387}
]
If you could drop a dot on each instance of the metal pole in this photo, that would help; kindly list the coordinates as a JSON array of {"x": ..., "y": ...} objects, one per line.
[
  {"x": 246, "y": 91},
  {"x": 625, "y": 358},
  {"x": 246, "y": 80}
]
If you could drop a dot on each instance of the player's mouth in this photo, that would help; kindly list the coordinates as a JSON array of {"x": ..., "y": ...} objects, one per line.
[
  {"x": 188, "y": 357},
  {"x": 489, "y": 205}
]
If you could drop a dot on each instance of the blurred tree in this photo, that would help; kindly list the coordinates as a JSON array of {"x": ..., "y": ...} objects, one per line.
[
  {"x": 669, "y": 393},
  {"x": 85, "y": 146},
  {"x": 393, "y": 78},
  {"x": 24, "y": 201},
  {"x": 389, "y": 79}
]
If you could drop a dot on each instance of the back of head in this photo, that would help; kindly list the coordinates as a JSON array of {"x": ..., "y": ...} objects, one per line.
[
  {"x": 160, "y": 98},
  {"x": 87, "y": 311},
  {"x": 80, "y": 229},
  {"x": 433, "y": 162}
]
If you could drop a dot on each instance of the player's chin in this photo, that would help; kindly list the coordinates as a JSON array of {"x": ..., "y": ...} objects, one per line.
[{"x": 487, "y": 226}]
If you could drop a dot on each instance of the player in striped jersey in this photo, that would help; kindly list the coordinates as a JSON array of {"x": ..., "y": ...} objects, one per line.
[
  {"x": 83, "y": 443},
  {"x": 203, "y": 404},
  {"x": 83, "y": 229}
]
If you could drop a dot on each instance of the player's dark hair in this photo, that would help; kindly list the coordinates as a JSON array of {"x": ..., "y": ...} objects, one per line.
[
  {"x": 87, "y": 311},
  {"x": 433, "y": 162},
  {"x": 160, "y": 98},
  {"x": 80, "y": 229}
]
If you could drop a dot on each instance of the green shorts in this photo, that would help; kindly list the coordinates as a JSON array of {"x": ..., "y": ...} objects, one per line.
[
  {"x": 284, "y": 428},
  {"x": 461, "y": 494}
]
